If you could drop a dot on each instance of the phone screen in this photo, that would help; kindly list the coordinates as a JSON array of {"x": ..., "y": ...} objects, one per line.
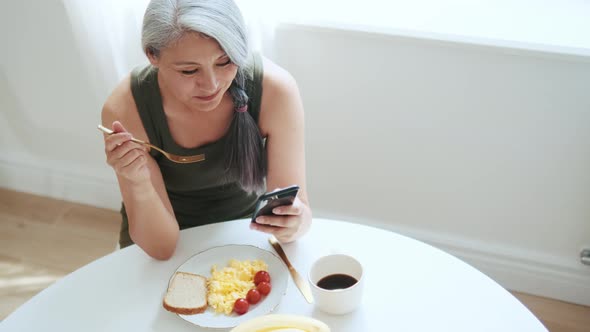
[{"x": 267, "y": 202}]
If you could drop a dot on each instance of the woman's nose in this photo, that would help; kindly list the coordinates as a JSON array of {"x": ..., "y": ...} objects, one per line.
[{"x": 208, "y": 82}]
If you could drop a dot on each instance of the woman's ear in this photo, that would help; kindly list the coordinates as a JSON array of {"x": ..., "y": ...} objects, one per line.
[{"x": 152, "y": 56}]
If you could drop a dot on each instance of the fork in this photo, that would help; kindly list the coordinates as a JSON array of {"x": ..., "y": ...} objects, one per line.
[{"x": 172, "y": 157}]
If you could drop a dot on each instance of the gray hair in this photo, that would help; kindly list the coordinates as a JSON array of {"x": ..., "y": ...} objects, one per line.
[{"x": 165, "y": 21}]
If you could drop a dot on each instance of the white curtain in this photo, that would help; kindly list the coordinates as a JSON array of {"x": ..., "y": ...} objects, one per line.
[
  {"x": 261, "y": 18},
  {"x": 108, "y": 33}
]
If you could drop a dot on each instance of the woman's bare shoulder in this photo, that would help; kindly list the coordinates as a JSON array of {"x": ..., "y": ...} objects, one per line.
[
  {"x": 120, "y": 99},
  {"x": 278, "y": 86},
  {"x": 276, "y": 79},
  {"x": 281, "y": 101},
  {"x": 120, "y": 106}
]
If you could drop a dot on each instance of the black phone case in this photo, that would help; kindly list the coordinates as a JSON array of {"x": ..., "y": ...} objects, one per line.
[{"x": 267, "y": 202}]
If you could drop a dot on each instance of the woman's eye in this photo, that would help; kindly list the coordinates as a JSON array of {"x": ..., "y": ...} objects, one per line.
[
  {"x": 189, "y": 72},
  {"x": 224, "y": 64}
]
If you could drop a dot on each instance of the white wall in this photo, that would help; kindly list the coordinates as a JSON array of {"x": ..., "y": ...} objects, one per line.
[{"x": 482, "y": 151}]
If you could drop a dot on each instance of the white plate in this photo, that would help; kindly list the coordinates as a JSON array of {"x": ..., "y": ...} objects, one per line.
[{"x": 202, "y": 262}]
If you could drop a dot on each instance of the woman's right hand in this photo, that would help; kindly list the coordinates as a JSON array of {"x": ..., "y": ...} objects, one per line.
[{"x": 127, "y": 158}]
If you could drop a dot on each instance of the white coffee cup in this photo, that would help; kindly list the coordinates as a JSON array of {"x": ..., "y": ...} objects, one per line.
[{"x": 336, "y": 293}]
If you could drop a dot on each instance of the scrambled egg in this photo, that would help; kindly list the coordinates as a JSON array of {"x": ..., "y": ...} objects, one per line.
[{"x": 231, "y": 283}]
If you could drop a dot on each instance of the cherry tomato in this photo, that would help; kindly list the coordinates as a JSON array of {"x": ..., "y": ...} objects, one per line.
[
  {"x": 263, "y": 288},
  {"x": 261, "y": 276},
  {"x": 241, "y": 306},
  {"x": 253, "y": 296}
]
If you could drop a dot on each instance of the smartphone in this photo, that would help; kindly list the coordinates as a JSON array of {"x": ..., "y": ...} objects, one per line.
[{"x": 268, "y": 201}]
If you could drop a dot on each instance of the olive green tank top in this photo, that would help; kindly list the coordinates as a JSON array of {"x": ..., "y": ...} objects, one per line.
[{"x": 198, "y": 192}]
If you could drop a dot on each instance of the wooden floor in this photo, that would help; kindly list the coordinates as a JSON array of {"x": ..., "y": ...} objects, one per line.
[{"x": 43, "y": 239}]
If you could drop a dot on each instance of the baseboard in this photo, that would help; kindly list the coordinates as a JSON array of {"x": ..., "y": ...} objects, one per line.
[
  {"x": 513, "y": 268},
  {"x": 62, "y": 184},
  {"x": 520, "y": 271}
]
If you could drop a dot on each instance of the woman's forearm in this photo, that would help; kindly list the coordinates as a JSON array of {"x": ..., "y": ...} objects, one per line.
[{"x": 151, "y": 225}]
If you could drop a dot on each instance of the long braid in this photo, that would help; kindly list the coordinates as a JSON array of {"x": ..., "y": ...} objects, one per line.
[{"x": 245, "y": 159}]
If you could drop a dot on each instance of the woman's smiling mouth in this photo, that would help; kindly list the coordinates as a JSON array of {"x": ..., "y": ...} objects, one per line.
[{"x": 208, "y": 98}]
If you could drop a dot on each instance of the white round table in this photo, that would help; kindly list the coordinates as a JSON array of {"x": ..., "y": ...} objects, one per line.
[{"x": 409, "y": 286}]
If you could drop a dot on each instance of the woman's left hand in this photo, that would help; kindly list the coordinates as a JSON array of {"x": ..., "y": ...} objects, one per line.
[{"x": 289, "y": 222}]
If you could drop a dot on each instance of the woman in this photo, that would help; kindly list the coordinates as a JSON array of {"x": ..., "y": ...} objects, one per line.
[{"x": 203, "y": 92}]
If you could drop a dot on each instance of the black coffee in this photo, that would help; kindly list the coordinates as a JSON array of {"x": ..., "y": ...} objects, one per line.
[{"x": 336, "y": 281}]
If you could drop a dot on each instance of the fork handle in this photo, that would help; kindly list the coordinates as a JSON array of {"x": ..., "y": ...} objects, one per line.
[{"x": 110, "y": 132}]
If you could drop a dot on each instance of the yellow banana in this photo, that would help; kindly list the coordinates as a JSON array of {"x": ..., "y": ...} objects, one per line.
[{"x": 282, "y": 323}]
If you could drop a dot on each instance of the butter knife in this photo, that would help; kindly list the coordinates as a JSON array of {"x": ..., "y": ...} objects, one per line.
[{"x": 299, "y": 281}]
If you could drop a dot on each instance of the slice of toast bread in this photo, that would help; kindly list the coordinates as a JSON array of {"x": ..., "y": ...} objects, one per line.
[{"x": 186, "y": 294}]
